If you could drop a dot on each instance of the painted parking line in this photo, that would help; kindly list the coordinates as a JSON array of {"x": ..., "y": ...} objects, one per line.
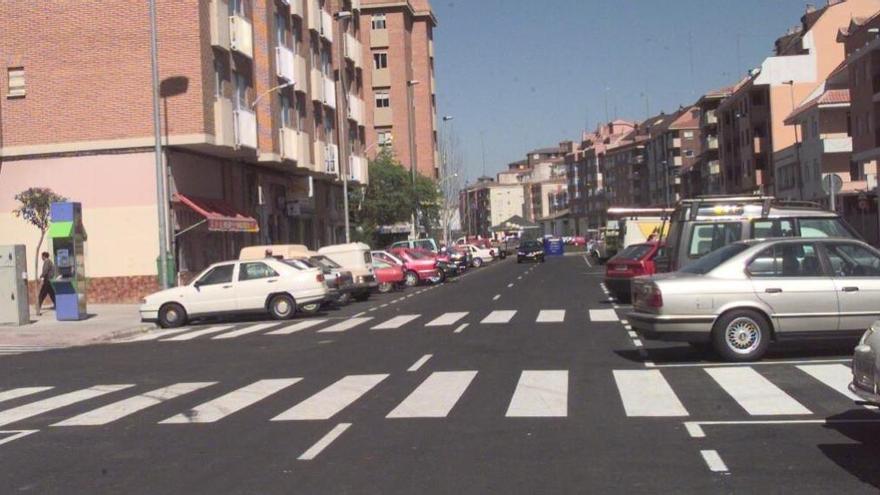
[
  {"x": 756, "y": 394},
  {"x": 497, "y": 297},
  {"x": 757, "y": 363},
  {"x": 460, "y": 328},
  {"x": 419, "y": 363},
  {"x": 603, "y": 315},
  {"x": 696, "y": 428},
  {"x": 714, "y": 461},
  {"x": 324, "y": 442}
]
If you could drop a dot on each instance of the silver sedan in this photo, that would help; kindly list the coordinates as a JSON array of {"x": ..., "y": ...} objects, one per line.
[
  {"x": 747, "y": 294},
  {"x": 866, "y": 366}
]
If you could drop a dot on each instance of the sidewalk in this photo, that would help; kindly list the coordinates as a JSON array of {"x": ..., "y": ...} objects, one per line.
[{"x": 105, "y": 322}]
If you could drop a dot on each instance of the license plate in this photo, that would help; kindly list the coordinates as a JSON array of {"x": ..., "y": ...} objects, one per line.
[{"x": 621, "y": 268}]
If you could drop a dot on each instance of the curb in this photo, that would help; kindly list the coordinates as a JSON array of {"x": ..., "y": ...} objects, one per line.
[{"x": 120, "y": 334}]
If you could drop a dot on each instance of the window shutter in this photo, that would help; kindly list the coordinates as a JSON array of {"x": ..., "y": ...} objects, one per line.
[{"x": 16, "y": 81}]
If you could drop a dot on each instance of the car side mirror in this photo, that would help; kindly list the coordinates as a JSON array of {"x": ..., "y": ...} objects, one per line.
[{"x": 197, "y": 284}]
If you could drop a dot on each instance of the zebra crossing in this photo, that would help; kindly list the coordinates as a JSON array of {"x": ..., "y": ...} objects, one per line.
[
  {"x": 452, "y": 319},
  {"x": 641, "y": 393},
  {"x": 12, "y": 350}
]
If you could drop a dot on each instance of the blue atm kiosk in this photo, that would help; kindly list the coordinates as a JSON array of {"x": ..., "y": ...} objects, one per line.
[
  {"x": 553, "y": 246},
  {"x": 68, "y": 245}
]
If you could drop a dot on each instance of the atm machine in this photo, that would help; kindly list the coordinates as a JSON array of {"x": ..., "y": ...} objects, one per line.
[
  {"x": 13, "y": 286},
  {"x": 68, "y": 246}
]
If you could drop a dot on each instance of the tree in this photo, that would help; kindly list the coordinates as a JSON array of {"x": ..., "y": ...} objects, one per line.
[
  {"x": 35, "y": 209},
  {"x": 451, "y": 180}
]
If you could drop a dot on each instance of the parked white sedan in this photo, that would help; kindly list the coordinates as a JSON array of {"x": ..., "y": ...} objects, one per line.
[
  {"x": 236, "y": 287},
  {"x": 480, "y": 255}
]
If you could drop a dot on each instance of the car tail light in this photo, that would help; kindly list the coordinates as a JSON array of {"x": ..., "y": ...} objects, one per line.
[
  {"x": 654, "y": 297},
  {"x": 319, "y": 277},
  {"x": 637, "y": 269}
]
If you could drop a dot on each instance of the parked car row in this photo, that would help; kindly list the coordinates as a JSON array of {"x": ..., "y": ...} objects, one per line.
[{"x": 282, "y": 280}]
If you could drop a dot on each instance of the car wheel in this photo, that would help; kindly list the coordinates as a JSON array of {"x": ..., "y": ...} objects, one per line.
[
  {"x": 310, "y": 308},
  {"x": 172, "y": 315},
  {"x": 385, "y": 287},
  {"x": 412, "y": 279},
  {"x": 742, "y": 335},
  {"x": 478, "y": 262},
  {"x": 282, "y": 307},
  {"x": 361, "y": 296},
  {"x": 438, "y": 279}
]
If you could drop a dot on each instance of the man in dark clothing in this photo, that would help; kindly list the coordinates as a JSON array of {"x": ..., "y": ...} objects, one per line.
[{"x": 46, "y": 276}]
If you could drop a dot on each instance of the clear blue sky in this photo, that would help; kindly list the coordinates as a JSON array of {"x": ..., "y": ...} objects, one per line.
[{"x": 531, "y": 73}]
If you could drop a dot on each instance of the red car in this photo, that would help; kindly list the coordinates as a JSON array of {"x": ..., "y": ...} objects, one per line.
[
  {"x": 634, "y": 261},
  {"x": 419, "y": 267},
  {"x": 389, "y": 274}
]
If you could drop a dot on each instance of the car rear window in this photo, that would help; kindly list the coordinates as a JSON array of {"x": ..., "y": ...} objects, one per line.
[
  {"x": 707, "y": 237},
  {"x": 531, "y": 245},
  {"x": 634, "y": 252},
  {"x": 299, "y": 264},
  {"x": 324, "y": 262},
  {"x": 824, "y": 227},
  {"x": 712, "y": 260}
]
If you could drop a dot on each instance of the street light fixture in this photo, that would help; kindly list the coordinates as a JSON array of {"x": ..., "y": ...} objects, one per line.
[
  {"x": 161, "y": 174},
  {"x": 270, "y": 90},
  {"x": 342, "y": 132}
]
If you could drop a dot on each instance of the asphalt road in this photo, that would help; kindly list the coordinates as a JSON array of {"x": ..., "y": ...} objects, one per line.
[{"x": 556, "y": 396}]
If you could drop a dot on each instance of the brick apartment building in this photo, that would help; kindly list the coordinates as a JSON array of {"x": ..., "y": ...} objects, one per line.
[
  {"x": 399, "y": 49},
  {"x": 247, "y": 162}
]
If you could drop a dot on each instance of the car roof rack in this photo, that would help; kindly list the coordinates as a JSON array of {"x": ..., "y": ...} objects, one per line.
[{"x": 766, "y": 203}]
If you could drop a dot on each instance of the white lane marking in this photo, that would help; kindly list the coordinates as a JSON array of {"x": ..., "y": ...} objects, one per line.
[
  {"x": 499, "y": 316},
  {"x": 396, "y": 322},
  {"x": 446, "y": 319},
  {"x": 550, "y": 316},
  {"x": 713, "y": 460},
  {"x": 296, "y": 327},
  {"x": 588, "y": 262},
  {"x": 372, "y": 309},
  {"x": 435, "y": 396},
  {"x": 244, "y": 331},
  {"x": 57, "y": 402},
  {"x": 17, "y": 434},
  {"x": 627, "y": 327},
  {"x": 325, "y": 441},
  {"x": 759, "y": 363},
  {"x": 509, "y": 285},
  {"x": 836, "y": 376},
  {"x": 519, "y": 278},
  {"x": 497, "y": 297},
  {"x": 695, "y": 428},
  {"x": 646, "y": 393},
  {"x": 384, "y": 305},
  {"x": 637, "y": 342},
  {"x": 125, "y": 407},
  {"x": 460, "y": 328},
  {"x": 418, "y": 364},
  {"x": 754, "y": 393},
  {"x": 333, "y": 399},
  {"x": 156, "y": 335},
  {"x": 345, "y": 325},
  {"x": 219, "y": 408},
  {"x": 197, "y": 333},
  {"x": 21, "y": 392},
  {"x": 358, "y": 315},
  {"x": 624, "y": 322},
  {"x": 603, "y": 315},
  {"x": 540, "y": 394},
  {"x": 632, "y": 334}
]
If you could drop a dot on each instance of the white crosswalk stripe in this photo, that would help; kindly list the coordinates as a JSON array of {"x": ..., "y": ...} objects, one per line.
[
  {"x": 15, "y": 393},
  {"x": 126, "y": 407},
  {"x": 197, "y": 333},
  {"x": 346, "y": 325},
  {"x": 244, "y": 331},
  {"x": 551, "y": 316},
  {"x": 646, "y": 393},
  {"x": 296, "y": 327},
  {"x": 756, "y": 394},
  {"x": 540, "y": 394},
  {"x": 603, "y": 315},
  {"x": 499, "y": 316},
  {"x": 396, "y": 322},
  {"x": 11, "y": 350},
  {"x": 155, "y": 335},
  {"x": 435, "y": 396},
  {"x": 333, "y": 399},
  {"x": 836, "y": 376},
  {"x": 56, "y": 402},
  {"x": 232, "y": 402},
  {"x": 447, "y": 319}
]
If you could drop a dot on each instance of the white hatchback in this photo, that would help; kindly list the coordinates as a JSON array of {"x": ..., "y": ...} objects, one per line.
[
  {"x": 237, "y": 287},
  {"x": 480, "y": 255}
]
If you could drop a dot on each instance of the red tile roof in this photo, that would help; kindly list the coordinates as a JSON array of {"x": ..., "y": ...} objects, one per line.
[{"x": 829, "y": 97}]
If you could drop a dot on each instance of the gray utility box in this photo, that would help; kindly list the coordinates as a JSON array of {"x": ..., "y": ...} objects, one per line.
[{"x": 13, "y": 286}]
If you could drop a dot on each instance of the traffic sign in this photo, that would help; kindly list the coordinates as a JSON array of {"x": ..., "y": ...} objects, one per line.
[{"x": 829, "y": 180}]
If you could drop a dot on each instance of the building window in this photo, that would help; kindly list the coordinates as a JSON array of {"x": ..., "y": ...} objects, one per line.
[
  {"x": 280, "y": 29},
  {"x": 241, "y": 87},
  {"x": 689, "y": 153},
  {"x": 286, "y": 110},
  {"x": 16, "y": 81},
  {"x": 380, "y": 60},
  {"x": 378, "y": 21},
  {"x": 383, "y": 138},
  {"x": 238, "y": 7},
  {"x": 688, "y": 134},
  {"x": 218, "y": 78},
  {"x": 382, "y": 99}
]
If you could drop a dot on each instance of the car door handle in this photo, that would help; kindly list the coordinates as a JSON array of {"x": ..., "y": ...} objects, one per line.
[
  {"x": 773, "y": 290},
  {"x": 850, "y": 289}
]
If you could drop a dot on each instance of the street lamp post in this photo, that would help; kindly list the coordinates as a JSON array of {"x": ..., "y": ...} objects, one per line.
[
  {"x": 665, "y": 166},
  {"x": 443, "y": 164},
  {"x": 161, "y": 180},
  {"x": 342, "y": 16},
  {"x": 412, "y": 154}
]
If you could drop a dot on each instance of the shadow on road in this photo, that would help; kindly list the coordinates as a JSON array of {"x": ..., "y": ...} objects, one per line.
[
  {"x": 858, "y": 459},
  {"x": 675, "y": 353}
]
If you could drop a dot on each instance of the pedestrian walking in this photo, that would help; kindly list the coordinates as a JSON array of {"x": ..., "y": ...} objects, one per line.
[{"x": 46, "y": 276}]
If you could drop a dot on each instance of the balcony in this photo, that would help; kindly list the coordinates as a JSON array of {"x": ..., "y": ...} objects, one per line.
[
  {"x": 837, "y": 145},
  {"x": 317, "y": 85},
  {"x": 319, "y": 153},
  {"x": 300, "y": 76},
  {"x": 354, "y": 50},
  {"x": 326, "y": 26},
  {"x": 329, "y": 92},
  {"x": 758, "y": 144},
  {"x": 358, "y": 169},
  {"x": 381, "y": 78},
  {"x": 355, "y": 109},
  {"x": 712, "y": 143},
  {"x": 284, "y": 64},
  {"x": 244, "y": 124},
  {"x": 291, "y": 145},
  {"x": 431, "y": 48},
  {"x": 219, "y": 15},
  {"x": 382, "y": 117},
  {"x": 313, "y": 19},
  {"x": 296, "y": 7},
  {"x": 241, "y": 36},
  {"x": 378, "y": 38},
  {"x": 224, "y": 134}
]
